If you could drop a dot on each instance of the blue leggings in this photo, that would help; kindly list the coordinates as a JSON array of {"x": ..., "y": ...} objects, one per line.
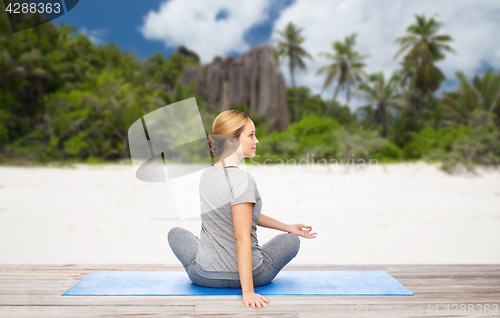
[{"x": 276, "y": 253}]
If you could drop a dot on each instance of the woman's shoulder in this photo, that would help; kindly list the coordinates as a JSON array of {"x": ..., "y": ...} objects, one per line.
[
  {"x": 241, "y": 174},
  {"x": 233, "y": 173}
]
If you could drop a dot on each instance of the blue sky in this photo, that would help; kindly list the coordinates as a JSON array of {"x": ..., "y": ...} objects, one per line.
[
  {"x": 223, "y": 27},
  {"x": 115, "y": 21},
  {"x": 119, "y": 21}
]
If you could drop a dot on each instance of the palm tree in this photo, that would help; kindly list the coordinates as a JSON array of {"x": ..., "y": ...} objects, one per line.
[
  {"x": 384, "y": 95},
  {"x": 483, "y": 94},
  {"x": 347, "y": 64},
  {"x": 289, "y": 46},
  {"x": 8, "y": 69},
  {"x": 425, "y": 48}
]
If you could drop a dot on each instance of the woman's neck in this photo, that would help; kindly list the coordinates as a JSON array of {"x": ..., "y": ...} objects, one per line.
[{"x": 226, "y": 162}]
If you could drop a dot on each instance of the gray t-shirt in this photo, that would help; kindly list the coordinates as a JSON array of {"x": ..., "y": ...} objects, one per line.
[{"x": 217, "y": 254}]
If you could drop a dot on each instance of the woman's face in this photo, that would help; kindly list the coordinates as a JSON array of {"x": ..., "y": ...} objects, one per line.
[{"x": 248, "y": 140}]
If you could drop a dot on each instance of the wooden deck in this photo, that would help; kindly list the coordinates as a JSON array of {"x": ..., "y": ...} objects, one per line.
[{"x": 34, "y": 291}]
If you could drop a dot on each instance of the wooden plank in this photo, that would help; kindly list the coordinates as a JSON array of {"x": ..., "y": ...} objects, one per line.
[
  {"x": 55, "y": 267},
  {"x": 449, "y": 274},
  {"x": 53, "y": 300},
  {"x": 43, "y": 271},
  {"x": 90, "y": 311},
  {"x": 169, "y": 309},
  {"x": 10, "y": 311},
  {"x": 34, "y": 290},
  {"x": 240, "y": 311},
  {"x": 365, "y": 308},
  {"x": 45, "y": 275},
  {"x": 393, "y": 267},
  {"x": 215, "y": 308}
]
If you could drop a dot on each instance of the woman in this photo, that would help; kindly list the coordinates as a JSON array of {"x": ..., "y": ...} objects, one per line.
[{"x": 228, "y": 255}]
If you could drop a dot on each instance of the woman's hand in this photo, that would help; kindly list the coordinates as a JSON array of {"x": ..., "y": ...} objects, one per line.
[
  {"x": 251, "y": 298},
  {"x": 297, "y": 229}
]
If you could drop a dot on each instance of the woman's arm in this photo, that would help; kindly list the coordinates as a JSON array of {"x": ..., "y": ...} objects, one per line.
[
  {"x": 266, "y": 221},
  {"x": 242, "y": 222}
]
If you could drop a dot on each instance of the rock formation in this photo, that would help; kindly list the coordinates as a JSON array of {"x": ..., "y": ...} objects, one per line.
[
  {"x": 254, "y": 79},
  {"x": 187, "y": 52}
]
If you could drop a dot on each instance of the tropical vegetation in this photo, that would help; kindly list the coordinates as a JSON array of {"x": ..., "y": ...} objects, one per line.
[{"x": 65, "y": 99}]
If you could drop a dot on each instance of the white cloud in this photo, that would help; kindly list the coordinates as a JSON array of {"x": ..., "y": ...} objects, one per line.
[
  {"x": 94, "y": 35},
  {"x": 472, "y": 24},
  {"x": 193, "y": 24}
]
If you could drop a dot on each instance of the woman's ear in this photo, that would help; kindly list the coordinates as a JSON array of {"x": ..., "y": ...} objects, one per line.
[{"x": 232, "y": 141}]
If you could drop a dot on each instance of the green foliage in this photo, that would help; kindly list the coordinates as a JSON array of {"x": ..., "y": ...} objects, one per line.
[
  {"x": 358, "y": 144},
  {"x": 483, "y": 93},
  {"x": 400, "y": 132},
  {"x": 167, "y": 70},
  {"x": 324, "y": 138},
  {"x": 5, "y": 116},
  {"x": 388, "y": 152},
  {"x": 385, "y": 96},
  {"x": 480, "y": 147},
  {"x": 314, "y": 105},
  {"x": 314, "y": 133},
  {"x": 76, "y": 146},
  {"x": 311, "y": 135},
  {"x": 431, "y": 138},
  {"x": 64, "y": 98}
]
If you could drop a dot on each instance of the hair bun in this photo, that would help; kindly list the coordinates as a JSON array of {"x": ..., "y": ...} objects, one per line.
[{"x": 213, "y": 144}]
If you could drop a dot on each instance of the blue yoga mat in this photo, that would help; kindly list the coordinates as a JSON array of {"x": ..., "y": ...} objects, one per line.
[{"x": 159, "y": 283}]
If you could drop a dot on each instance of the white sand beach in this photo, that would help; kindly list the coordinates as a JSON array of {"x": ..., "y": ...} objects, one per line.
[{"x": 409, "y": 213}]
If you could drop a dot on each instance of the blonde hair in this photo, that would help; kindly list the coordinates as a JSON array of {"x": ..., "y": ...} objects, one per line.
[{"x": 228, "y": 124}]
